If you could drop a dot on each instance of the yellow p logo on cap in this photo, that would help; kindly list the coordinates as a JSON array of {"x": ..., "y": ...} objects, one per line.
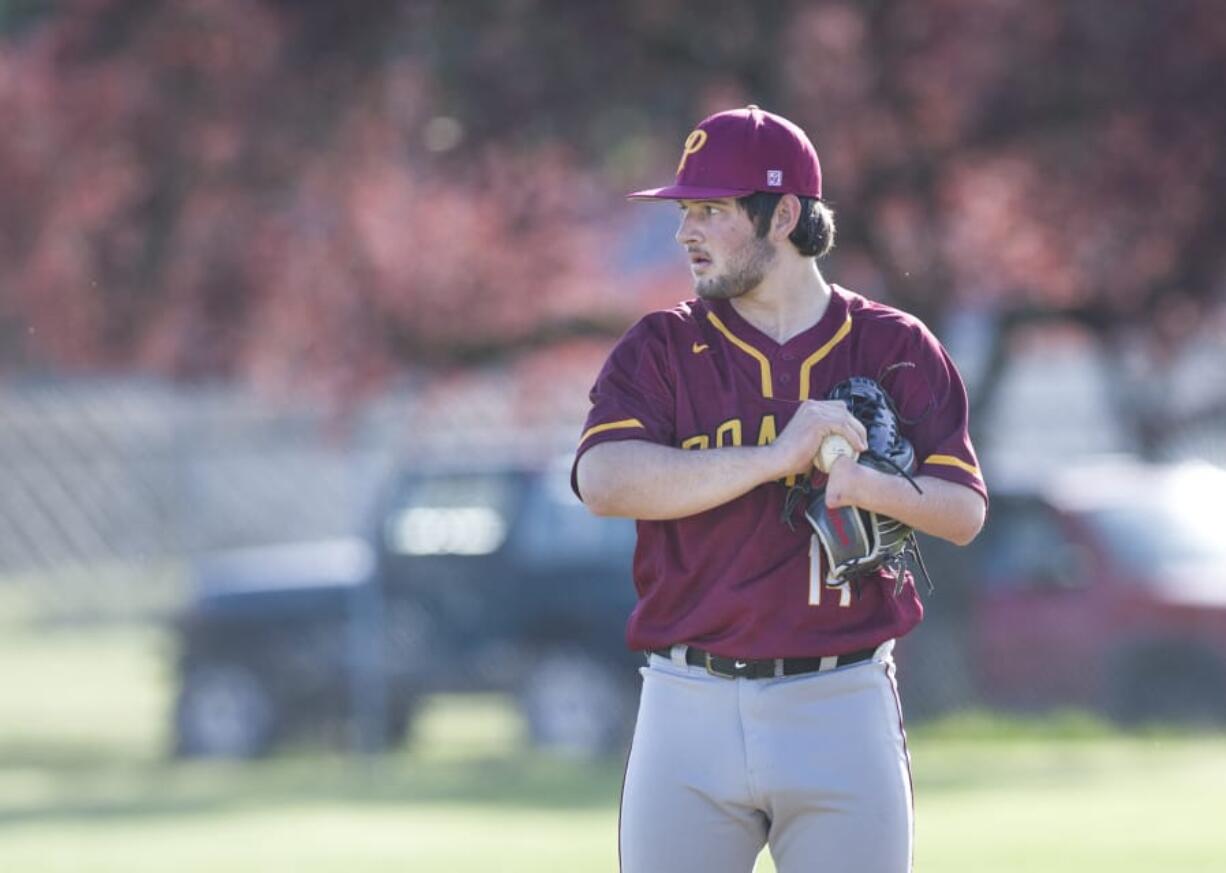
[{"x": 693, "y": 143}]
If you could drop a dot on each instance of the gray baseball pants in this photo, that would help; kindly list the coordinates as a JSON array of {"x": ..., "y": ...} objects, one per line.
[{"x": 816, "y": 765}]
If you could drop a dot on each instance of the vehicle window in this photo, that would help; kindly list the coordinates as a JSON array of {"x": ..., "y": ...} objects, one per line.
[
  {"x": 556, "y": 527},
  {"x": 450, "y": 515},
  {"x": 1023, "y": 541},
  {"x": 1161, "y": 534}
]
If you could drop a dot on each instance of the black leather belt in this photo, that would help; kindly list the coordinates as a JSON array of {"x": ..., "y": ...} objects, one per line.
[{"x": 764, "y": 668}]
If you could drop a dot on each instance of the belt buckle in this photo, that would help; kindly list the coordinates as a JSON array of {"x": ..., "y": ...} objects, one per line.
[{"x": 714, "y": 672}]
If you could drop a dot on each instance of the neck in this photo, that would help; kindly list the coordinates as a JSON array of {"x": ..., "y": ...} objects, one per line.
[{"x": 790, "y": 299}]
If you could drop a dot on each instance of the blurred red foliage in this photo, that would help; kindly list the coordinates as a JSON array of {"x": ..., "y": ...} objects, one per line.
[
  {"x": 188, "y": 191},
  {"x": 317, "y": 194}
]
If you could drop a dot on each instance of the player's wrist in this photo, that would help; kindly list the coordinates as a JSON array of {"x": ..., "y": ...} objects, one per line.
[
  {"x": 776, "y": 462},
  {"x": 859, "y": 485},
  {"x": 843, "y": 484}
]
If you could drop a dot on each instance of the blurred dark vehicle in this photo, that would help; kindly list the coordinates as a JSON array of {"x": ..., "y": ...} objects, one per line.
[
  {"x": 1100, "y": 587},
  {"x": 496, "y": 580}
]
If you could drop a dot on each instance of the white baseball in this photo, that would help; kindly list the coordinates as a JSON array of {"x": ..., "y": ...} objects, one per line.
[{"x": 833, "y": 446}]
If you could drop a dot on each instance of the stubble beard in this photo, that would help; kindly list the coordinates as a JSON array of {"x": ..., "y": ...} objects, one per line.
[{"x": 742, "y": 276}]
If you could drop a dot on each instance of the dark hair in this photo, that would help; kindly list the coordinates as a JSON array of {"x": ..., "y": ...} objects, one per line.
[{"x": 814, "y": 232}]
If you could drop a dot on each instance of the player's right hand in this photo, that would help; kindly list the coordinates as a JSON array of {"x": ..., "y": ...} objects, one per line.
[{"x": 794, "y": 449}]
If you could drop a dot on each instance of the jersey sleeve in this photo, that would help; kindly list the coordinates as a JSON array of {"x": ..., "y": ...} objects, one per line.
[
  {"x": 932, "y": 399},
  {"x": 633, "y": 397}
]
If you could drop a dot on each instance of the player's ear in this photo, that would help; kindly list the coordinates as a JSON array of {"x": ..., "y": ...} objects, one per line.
[{"x": 787, "y": 214}]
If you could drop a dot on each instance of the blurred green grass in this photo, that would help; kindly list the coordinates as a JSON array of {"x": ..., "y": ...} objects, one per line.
[{"x": 86, "y": 785}]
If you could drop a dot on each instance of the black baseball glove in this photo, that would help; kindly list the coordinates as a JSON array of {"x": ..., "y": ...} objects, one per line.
[{"x": 855, "y": 541}]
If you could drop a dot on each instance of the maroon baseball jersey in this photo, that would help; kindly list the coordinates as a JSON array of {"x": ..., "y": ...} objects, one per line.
[{"x": 735, "y": 579}]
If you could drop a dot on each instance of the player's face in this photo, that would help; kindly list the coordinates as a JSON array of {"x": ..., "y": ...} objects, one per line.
[{"x": 727, "y": 259}]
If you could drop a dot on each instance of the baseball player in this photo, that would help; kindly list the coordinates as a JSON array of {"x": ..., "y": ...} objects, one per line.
[{"x": 769, "y": 712}]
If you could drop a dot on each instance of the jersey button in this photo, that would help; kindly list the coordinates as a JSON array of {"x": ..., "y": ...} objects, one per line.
[
  {"x": 788, "y": 356},
  {"x": 784, "y": 378}
]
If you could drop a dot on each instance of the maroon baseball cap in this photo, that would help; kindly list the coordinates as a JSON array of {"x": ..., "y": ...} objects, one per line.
[{"x": 738, "y": 152}]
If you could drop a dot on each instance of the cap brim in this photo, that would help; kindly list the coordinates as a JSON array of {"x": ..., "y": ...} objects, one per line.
[{"x": 687, "y": 192}]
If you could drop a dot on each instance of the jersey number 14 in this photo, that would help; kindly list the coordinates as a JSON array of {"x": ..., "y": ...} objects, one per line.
[{"x": 817, "y": 581}]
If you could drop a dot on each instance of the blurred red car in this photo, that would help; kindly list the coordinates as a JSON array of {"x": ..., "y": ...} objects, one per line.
[{"x": 1105, "y": 586}]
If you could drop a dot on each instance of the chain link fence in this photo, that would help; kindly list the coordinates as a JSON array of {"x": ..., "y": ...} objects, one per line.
[{"x": 111, "y": 486}]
